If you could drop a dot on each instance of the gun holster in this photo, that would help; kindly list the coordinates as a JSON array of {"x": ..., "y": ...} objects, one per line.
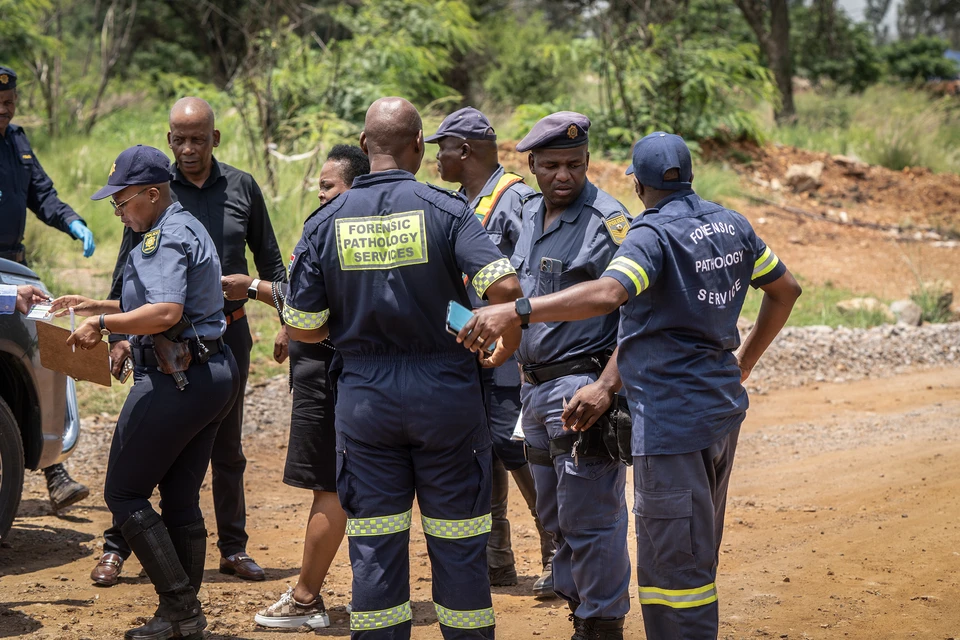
[
  {"x": 173, "y": 355},
  {"x": 617, "y": 430}
]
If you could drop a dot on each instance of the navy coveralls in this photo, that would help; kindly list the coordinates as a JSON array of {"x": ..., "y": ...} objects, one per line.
[
  {"x": 380, "y": 262},
  {"x": 24, "y": 184},
  {"x": 164, "y": 436},
  {"x": 686, "y": 265},
  {"x": 582, "y": 504}
]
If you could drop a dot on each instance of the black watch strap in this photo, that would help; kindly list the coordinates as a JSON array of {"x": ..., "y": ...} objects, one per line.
[{"x": 523, "y": 308}]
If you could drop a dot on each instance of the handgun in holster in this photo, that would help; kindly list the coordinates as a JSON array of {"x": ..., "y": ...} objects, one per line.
[
  {"x": 173, "y": 354},
  {"x": 610, "y": 436}
]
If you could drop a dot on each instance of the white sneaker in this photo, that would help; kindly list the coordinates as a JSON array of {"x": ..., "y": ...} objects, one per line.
[{"x": 287, "y": 613}]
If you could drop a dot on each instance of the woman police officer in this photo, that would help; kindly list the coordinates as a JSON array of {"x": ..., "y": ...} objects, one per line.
[{"x": 165, "y": 432}]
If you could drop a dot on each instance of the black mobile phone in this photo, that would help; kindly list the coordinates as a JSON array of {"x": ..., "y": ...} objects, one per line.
[{"x": 457, "y": 316}]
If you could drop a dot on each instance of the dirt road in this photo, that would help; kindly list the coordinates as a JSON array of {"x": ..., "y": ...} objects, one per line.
[{"x": 843, "y": 523}]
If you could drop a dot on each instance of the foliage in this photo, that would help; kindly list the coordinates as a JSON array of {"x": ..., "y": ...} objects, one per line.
[
  {"x": 20, "y": 29},
  {"x": 933, "y": 298},
  {"x": 818, "y": 306},
  {"x": 940, "y": 18},
  {"x": 840, "y": 50},
  {"x": 919, "y": 59}
]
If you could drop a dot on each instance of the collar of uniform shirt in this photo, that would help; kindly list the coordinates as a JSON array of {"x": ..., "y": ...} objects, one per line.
[
  {"x": 683, "y": 193},
  {"x": 382, "y": 176},
  {"x": 215, "y": 174}
]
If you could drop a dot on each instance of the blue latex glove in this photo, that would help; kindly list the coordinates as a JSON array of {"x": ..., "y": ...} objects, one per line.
[{"x": 81, "y": 232}]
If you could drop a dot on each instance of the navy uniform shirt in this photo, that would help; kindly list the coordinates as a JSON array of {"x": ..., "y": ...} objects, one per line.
[
  {"x": 686, "y": 265},
  {"x": 380, "y": 263},
  {"x": 231, "y": 208},
  {"x": 176, "y": 262},
  {"x": 576, "y": 248},
  {"x": 25, "y": 185},
  {"x": 503, "y": 225}
]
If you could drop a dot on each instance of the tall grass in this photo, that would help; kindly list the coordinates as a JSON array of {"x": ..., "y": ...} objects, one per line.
[{"x": 891, "y": 126}]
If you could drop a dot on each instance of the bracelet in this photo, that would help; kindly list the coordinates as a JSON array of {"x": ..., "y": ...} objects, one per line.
[{"x": 277, "y": 299}]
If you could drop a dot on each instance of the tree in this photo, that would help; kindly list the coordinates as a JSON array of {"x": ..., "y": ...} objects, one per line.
[
  {"x": 874, "y": 14},
  {"x": 937, "y": 18},
  {"x": 770, "y": 22}
]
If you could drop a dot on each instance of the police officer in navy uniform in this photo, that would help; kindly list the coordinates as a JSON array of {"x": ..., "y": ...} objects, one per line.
[
  {"x": 468, "y": 155},
  {"x": 167, "y": 426},
  {"x": 679, "y": 279},
  {"x": 24, "y": 184},
  {"x": 375, "y": 270},
  {"x": 229, "y": 204},
  {"x": 570, "y": 233}
]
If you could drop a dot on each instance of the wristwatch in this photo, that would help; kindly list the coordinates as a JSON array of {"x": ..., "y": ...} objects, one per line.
[
  {"x": 252, "y": 291},
  {"x": 522, "y": 305},
  {"x": 103, "y": 327}
]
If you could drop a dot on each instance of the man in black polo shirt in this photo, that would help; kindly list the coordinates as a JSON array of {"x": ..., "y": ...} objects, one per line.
[{"x": 230, "y": 206}]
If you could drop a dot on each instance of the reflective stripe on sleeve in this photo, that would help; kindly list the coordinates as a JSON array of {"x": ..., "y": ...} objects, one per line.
[
  {"x": 465, "y": 619},
  {"x": 304, "y": 319},
  {"x": 366, "y": 620},
  {"x": 767, "y": 261},
  {"x": 379, "y": 526},
  {"x": 679, "y": 598},
  {"x": 453, "y": 529},
  {"x": 490, "y": 274},
  {"x": 632, "y": 270}
]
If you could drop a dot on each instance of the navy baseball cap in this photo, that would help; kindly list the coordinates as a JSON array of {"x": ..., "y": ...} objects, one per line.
[
  {"x": 657, "y": 153},
  {"x": 560, "y": 130},
  {"x": 8, "y": 78},
  {"x": 136, "y": 165},
  {"x": 467, "y": 123}
]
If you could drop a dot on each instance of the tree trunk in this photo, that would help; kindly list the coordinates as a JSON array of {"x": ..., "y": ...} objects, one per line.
[{"x": 781, "y": 62}]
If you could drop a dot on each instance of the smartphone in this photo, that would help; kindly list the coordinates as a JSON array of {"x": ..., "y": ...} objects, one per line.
[{"x": 457, "y": 316}]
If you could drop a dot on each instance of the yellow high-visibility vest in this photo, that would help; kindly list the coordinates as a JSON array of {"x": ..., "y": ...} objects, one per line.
[{"x": 488, "y": 203}]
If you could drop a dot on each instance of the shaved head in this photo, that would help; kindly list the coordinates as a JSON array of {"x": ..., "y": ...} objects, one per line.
[
  {"x": 391, "y": 126},
  {"x": 192, "y": 111}
]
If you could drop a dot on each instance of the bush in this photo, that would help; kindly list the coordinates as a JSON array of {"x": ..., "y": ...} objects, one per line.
[
  {"x": 919, "y": 59},
  {"x": 846, "y": 56}
]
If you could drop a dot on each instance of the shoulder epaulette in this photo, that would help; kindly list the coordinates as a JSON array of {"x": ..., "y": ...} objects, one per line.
[{"x": 444, "y": 199}]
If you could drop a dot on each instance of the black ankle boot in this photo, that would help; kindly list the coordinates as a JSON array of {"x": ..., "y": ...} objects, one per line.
[
  {"x": 190, "y": 541},
  {"x": 598, "y": 629},
  {"x": 179, "y": 613},
  {"x": 64, "y": 490}
]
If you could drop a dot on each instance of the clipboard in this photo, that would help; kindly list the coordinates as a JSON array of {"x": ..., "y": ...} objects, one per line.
[{"x": 92, "y": 365}]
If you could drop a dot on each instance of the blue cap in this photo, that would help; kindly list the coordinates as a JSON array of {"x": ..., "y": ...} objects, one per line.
[
  {"x": 8, "y": 78},
  {"x": 657, "y": 153},
  {"x": 560, "y": 130},
  {"x": 467, "y": 123},
  {"x": 136, "y": 165}
]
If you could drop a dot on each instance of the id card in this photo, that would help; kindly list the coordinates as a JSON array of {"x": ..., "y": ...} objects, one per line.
[{"x": 40, "y": 312}]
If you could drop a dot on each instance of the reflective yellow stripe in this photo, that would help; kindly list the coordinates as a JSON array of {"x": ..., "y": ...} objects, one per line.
[
  {"x": 486, "y": 204},
  {"x": 465, "y": 619},
  {"x": 679, "y": 598},
  {"x": 453, "y": 529},
  {"x": 490, "y": 274},
  {"x": 379, "y": 526},
  {"x": 304, "y": 319},
  {"x": 632, "y": 270},
  {"x": 366, "y": 620},
  {"x": 765, "y": 264}
]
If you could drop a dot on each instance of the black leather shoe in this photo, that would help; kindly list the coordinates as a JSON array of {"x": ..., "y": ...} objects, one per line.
[
  {"x": 64, "y": 490},
  {"x": 597, "y": 628},
  {"x": 159, "y": 628},
  {"x": 543, "y": 587},
  {"x": 503, "y": 576}
]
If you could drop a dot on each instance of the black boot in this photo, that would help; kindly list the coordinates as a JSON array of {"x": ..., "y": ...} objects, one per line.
[
  {"x": 597, "y": 628},
  {"x": 190, "y": 541},
  {"x": 179, "y": 613},
  {"x": 543, "y": 587},
  {"x": 64, "y": 490},
  {"x": 500, "y": 559}
]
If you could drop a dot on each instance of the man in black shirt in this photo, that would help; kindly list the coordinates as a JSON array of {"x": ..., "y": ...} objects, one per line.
[{"x": 230, "y": 206}]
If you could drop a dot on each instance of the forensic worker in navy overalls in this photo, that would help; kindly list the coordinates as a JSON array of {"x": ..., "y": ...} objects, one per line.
[
  {"x": 375, "y": 269},
  {"x": 679, "y": 280},
  {"x": 25, "y": 185},
  {"x": 570, "y": 233},
  {"x": 468, "y": 155},
  {"x": 165, "y": 433}
]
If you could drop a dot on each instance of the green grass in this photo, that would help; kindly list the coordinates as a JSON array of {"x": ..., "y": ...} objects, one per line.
[
  {"x": 818, "y": 306},
  {"x": 891, "y": 126}
]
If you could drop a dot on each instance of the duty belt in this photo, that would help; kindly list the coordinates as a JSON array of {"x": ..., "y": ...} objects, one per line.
[
  {"x": 540, "y": 373},
  {"x": 145, "y": 357},
  {"x": 17, "y": 255}
]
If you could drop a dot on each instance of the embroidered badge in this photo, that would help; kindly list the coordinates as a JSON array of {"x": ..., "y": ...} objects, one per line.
[
  {"x": 572, "y": 131},
  {"x": 617, "y": 227},
  {"x": 113, "y": 169},
  {"x": 151, "y": 240},
  {"x": 4, "y": 78}
]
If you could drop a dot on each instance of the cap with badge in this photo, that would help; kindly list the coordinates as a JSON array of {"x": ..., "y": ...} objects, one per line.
[
  {"x": 136, "y": 165},
  {"x": 657, "y": 153},
  {"x": 560, "y": 130},
  {"x": 8, "y": 78},
  {"x": 467, "y": 123}
]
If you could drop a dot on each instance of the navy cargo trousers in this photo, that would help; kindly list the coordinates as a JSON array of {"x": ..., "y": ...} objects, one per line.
[{"x": 411, "y": 426}]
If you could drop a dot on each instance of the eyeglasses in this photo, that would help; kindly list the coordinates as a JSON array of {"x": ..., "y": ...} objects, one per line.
[{"x": 118, "y": 207}]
